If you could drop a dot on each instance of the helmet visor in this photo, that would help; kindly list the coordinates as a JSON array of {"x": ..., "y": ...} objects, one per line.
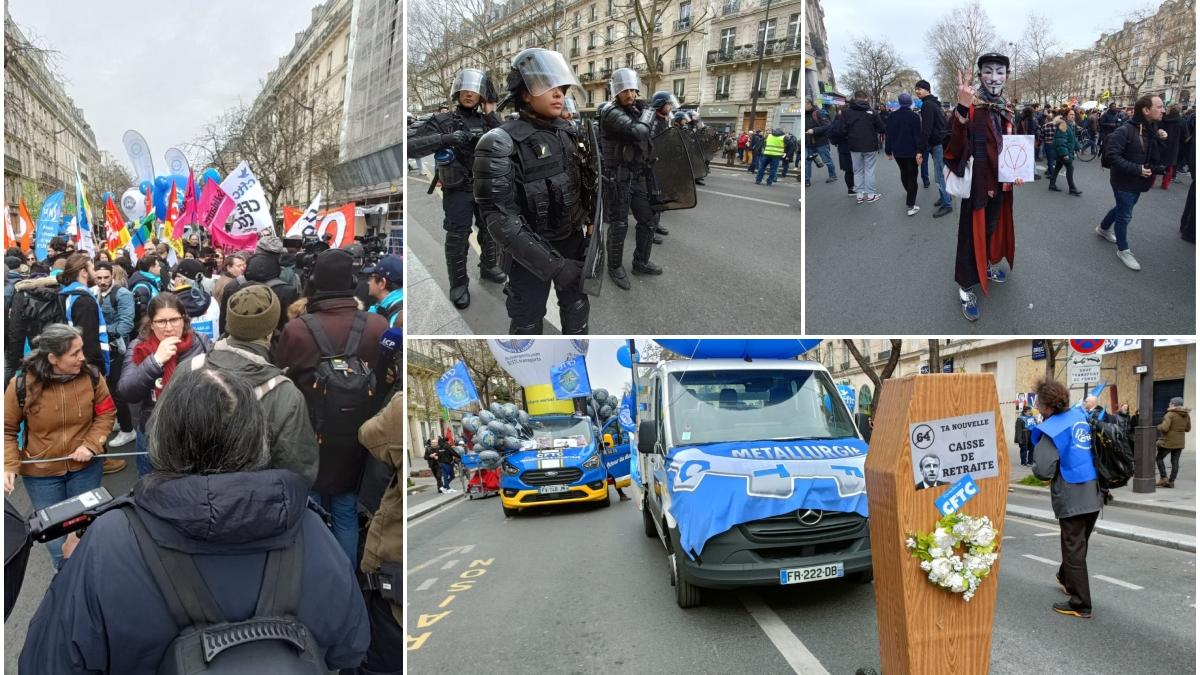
[
  {"x": 569, "y": 104},
  {"x": 469, "y": 80},
  {"x": 622, "y": 79},
  {"x": 543, "y": 70}
]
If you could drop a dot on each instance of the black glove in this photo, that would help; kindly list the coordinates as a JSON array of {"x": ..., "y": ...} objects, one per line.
[
  {"x": 570, "y": 275},
  {"x": 456, "y": 138}
]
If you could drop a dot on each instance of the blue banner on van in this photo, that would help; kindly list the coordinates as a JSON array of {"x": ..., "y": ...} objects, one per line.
[{"x": 718, "y": 486}]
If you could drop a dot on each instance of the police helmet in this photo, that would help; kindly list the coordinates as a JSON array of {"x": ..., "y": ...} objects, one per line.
[
  {"x": 662, "y": 98},
  {"x": 622, "y": 79},
  {"x": 469, "y": 79}
]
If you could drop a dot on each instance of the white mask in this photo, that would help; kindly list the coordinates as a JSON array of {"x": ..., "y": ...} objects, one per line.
[{"x": 993, "y": 76}]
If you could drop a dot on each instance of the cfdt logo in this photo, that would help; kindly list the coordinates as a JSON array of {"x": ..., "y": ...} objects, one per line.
[
  {"x": 922, "y": 436},
  {"x": 515, "y": 346},
  {"x": 1083, "y": 434}
]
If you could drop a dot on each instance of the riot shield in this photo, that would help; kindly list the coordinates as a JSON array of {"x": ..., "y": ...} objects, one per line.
[
  {"x": 593, "y": 198},
  {"x": 696, "y": 154},
  {"x": 710, "y": 142},
  {"x": 672, "y": 170}
]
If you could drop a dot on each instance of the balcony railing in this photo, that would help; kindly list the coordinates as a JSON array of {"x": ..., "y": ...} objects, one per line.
[
  {"x": 574, "y": 52},
  {"x": 761, "y": 93},
  {"x": 722, "y": 96},
  {"x": 789, "y": 93},
  {"x": 749, "y": 52},
  {"x": 605, "y": 73},
  {"x": 683, "y": 24},
  {"x": 587, "y": 77},
  {"x": 12, "y": 164},
  {"x": 591, "y": 47},
  {"x": 608, "y": 42},
  {"x": 680, "y": 64}
]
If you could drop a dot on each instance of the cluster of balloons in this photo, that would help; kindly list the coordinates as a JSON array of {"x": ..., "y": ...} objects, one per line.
[
  {"x": 498, "y": 429},
  {"x": 160, "y": 191},
  {"x": 603, "y": 405}
]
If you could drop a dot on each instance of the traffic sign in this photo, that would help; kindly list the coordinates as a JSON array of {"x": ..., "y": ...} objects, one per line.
[{"x": 1087, "y": 346}]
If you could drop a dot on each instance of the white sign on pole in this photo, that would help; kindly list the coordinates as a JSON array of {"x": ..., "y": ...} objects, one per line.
[
  {"x": 253, "y": 213},
  {"x": 1083, "y": 369},
  {"x": 945, "y": 450}
]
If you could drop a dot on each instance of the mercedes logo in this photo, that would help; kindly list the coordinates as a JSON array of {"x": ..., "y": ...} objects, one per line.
[{"x": 810, "y": 517}]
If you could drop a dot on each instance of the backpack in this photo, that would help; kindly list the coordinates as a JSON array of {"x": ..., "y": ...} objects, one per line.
[
  {"x": 272, "y": 641},
  {"x": 344, "y": 385},
  {"x": 17, "y": 544},
  {"x": 42, "y": 307},
  {"x": 1112, "y": 453}
]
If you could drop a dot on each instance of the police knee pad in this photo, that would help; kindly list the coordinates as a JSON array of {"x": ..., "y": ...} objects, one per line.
[{"x": 574, "y": 316}]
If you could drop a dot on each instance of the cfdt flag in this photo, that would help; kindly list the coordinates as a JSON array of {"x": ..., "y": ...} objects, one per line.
[
  {"x": 570, "y": 378},
  {"x": 48, "y": 222},
  {"x": 626, "y": 416},
  {"x": 455, "y": 389}
]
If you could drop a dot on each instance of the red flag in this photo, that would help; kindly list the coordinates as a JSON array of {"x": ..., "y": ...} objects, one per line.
[
  {"x": 114, "y": 225},
  {"x": 26, "y": 224},
  {"x": 189, "y": 206},
  {"x": 450, "y": 435}
]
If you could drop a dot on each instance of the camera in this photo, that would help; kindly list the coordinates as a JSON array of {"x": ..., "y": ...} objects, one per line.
[
  {"x": 309, "y": 245},
  {"x": 816, "y": 159}
]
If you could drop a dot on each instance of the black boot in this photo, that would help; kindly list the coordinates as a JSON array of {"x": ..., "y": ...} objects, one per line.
[
  {"x": 493, "y": 273},
  {"x": 574, "y": 317},
  {"x": 460, "y": 296},
  {"x": 619, "y": 277},
  {"x": 657, "y": 239},
  {"x": 1053, "y": 187},
  {"x": 515, "y": 328},
  {"x": 646, "y": 268},
  {"x": 615, "y": 243},
  {"x": 457, "y": 244},
  {"x": 659, "y": 229}
]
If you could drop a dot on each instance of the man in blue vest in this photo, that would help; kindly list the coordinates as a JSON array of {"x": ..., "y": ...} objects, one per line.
[
  {"x": 386, "y": 286},
  {"x": 1062, "y": 454}
]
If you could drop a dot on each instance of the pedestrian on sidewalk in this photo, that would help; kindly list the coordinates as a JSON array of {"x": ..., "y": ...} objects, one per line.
[
  {"x": 902, "y": 142},
  {"x": 447, "y": 458},
  {"x": 1133, "y": 154},
  {"x": 1046, "y": 138},
  {"x": 816, "y": 128},
  {"x": 1060, "y": 457},
  {"x": 1173, "y": 124},
  {"x": 861, "y": 127},
  {"x": 1066, "y": 144},
  {"x": 431, "y": 459},
  {"x": 934, "y": 134},
  {"x": 1108, "y": 123},
  {"x": 1174, "y": 425},
  {"x": 774, "y": 147},
  {"x": 756, "y": 144},
  {"x": 1024, "y": 424},
  {"x": 729, "y": 149},
  {"x": 845, "y": 159}
]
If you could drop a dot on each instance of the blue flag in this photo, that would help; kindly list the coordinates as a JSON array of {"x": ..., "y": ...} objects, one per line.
[
  {"x": 1099, "y": 388},
  {"x": 455, "y": 389},
  {"x": 848, "y": 397},
  {"x": 570, "y": 378},
  {"x": 626, "y": 417},
  {"x": 48, "y": 221},
  {"x": 717, "y": 486}
]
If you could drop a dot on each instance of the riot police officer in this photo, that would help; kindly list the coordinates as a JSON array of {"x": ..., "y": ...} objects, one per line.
[
  {"x": 662, "y": 103},
  {"x": 695, "y": 124},
  {"x": 453, "y": 135},
  {"x": 529, "y": 189},
  {"x": 626, "y": 151}
]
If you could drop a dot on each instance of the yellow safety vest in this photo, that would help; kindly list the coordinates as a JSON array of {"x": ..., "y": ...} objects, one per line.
[{"x": 774, "y": 146}]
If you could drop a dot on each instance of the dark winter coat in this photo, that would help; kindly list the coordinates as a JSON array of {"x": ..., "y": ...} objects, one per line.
[
  {"x": 1133, "y": 145},
  {"x": 818, "y": 122},
  {"x": 137, "y": 381},
  {"x": 103, "y": 612},
  {"x": 1176, "y": 130},
  {"x": 903, "y": 134},
  {"x": 139, "y": 284},
  {"x": 290, "y": 436},
  {"x": 1109, "y": 121},
  {"x": 1066, "y": 143},
  {"x": 861, "y": 126},
  {"x": 934, "y": 130},
  {"x": 261, "y": 268}
]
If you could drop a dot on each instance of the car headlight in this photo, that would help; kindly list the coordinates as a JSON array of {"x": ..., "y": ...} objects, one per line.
[
  {"x": 509, "y": 469},
  {"x": 592, "y": 462}
]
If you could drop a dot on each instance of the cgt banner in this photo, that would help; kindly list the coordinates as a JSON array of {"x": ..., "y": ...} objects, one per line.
[
  {"x": 337, "y": 223},
  {"x": 252, "y": 211},
  {"x": 751, "y": 481}
]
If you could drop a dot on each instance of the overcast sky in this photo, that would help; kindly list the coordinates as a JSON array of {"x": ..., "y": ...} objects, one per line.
[
  {"x": 164, "y": 69},
  {"x": 905, "y": 24}
]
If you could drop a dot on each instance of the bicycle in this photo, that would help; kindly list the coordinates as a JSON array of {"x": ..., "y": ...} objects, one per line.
[{"x": 1087, "y": 149}]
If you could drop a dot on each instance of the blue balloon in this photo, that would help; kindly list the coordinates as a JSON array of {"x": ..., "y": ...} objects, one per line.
[
  {"x": 623, "y": 356},
  {"x": 209, "y": 174},
  {"x": 162, "y": 190},
  {"x": 145, "y": 187}
]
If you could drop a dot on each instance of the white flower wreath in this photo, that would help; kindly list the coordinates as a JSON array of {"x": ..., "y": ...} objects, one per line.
[{"x": 941, "y": 559}]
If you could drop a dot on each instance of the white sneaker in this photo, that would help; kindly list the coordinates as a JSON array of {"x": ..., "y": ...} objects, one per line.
[
  {"x": 449, "y": 490},
  {"x": 122, "y": 438},
  {"x": 1126, "y": 257},
  {"x": 1106, "y": 234},
  {"x": 913, "y": 211}
]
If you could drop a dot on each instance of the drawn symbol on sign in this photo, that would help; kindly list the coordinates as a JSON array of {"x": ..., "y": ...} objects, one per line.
[
  {"x": 1015, "y": 157},
  {"x": 922, "y": 436}
]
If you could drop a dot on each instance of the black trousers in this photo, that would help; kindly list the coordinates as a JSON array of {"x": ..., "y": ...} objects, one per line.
[
  {"x": 1070, "y": 171},
  {"x": 386, "y": 653},
  {"x": 527, "y": 295},
  {"x": 965, "y": 272},
  {"x": 847, "y": 165},
  {"x": 460, "y": 213},
  {"x": 908, "y": 178},
  {"x": 1162, "y": 465},
  {"x": 115, "y": 363},
  {"x": 1074, "y": 533},
  {"x": 631, "y": 196}
]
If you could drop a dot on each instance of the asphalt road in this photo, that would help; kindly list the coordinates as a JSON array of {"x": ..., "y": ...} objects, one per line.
[
  {"x": 870, "y": 265},
  {"x": 731, "y": 266},
  {"x": 581, "y": 590},
  {"x": 39, "y": 573}
]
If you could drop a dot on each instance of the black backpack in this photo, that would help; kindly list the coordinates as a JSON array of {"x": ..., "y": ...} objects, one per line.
[
  {"x": 1112, "y": 453},
  {"x": 272, "y": 641},
  {"x": 343, "y": 384},
  {"x": 17, "y": 544},
  {"x": 41, "y": 307}
]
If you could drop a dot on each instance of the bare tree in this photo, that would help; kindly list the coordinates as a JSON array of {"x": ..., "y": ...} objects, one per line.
[
  {"x": 486, "y": 372},
  {"x": 935, "y": 356},
  {"x": 651, "y": 39},
  {"x": 876, "y": 377},
  {"x": 874, "y": 66},
  {"x": 108, "y": 176},
  {"x": 1037, "y": 65},
  {"x": 1147, "y": 34},
  {"x": 1053, "y": 347},
  {"x": 956, "y": 41}
]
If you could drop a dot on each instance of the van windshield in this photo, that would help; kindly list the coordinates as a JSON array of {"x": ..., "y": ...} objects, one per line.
[
  {"x": 546, "y": 430},
  {"x": 725, "y": 406}
]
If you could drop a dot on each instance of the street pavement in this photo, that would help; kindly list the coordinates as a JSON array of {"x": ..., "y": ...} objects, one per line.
[
  {"x": 581, "y": 589},
  {"x": 870, "y": 265},
  {"x": 39, "y": 572},
  {"x": 731, "y": 266}
]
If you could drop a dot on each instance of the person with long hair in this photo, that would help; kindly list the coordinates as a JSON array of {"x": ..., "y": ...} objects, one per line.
[
  {"x": 1062, "y": 454},
  {"x": 64, "y": 403},
  {"x": 82, "y": 309},
  {"x": 165, "y": 339}
]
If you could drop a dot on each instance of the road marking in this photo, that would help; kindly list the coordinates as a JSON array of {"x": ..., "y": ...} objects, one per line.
[
  {"x": 1125, "y": 584},
  {"x": 427, "y": 584},
  {"x": 448, "y": 600},
  {"x": 1046, "y": 534},
  {"x": 448, "y": 552},
  {"x": 450, "y": 563},
  {"x": 1032, "y": 523},
  {"x": 1008, "y": 536},
  {"x": 790, "y": 647},
  {"x": 445, "y": 507},
  {"x": 750, "y": 199},
  {"x": 1039, "y": 559}
]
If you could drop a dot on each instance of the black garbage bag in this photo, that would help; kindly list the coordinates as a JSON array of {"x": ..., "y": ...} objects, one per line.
[{"x": 17, "y": 544}]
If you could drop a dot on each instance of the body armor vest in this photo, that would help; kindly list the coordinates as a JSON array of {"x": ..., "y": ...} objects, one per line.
[{"x": 547, "y": 164}]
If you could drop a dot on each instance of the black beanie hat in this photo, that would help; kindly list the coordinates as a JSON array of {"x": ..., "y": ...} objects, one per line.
[
  {"x": 923, "y": 84},
  {"x": 333, "y": 271}
]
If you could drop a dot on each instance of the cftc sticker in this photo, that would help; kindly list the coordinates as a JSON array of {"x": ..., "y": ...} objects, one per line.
[{"x": 959, "y": 494}]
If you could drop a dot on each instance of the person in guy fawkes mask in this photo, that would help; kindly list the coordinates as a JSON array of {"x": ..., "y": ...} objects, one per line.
[
  {"x": 626, "y": 151},
  {"x": 452, "y": 135},
  {"x": 528, "y": 186},
  {"x": 985, "y": 224}
]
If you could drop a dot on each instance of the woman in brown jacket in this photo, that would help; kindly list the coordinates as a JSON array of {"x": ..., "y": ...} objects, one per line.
[
  {"x": 1174, "y": 425},
  {"x": 67, "y": 412}
]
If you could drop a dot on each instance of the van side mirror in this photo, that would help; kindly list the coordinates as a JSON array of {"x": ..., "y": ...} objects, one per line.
[
  {"x": 608, "y": 440},
  {"x": 647, "y": 436}
]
